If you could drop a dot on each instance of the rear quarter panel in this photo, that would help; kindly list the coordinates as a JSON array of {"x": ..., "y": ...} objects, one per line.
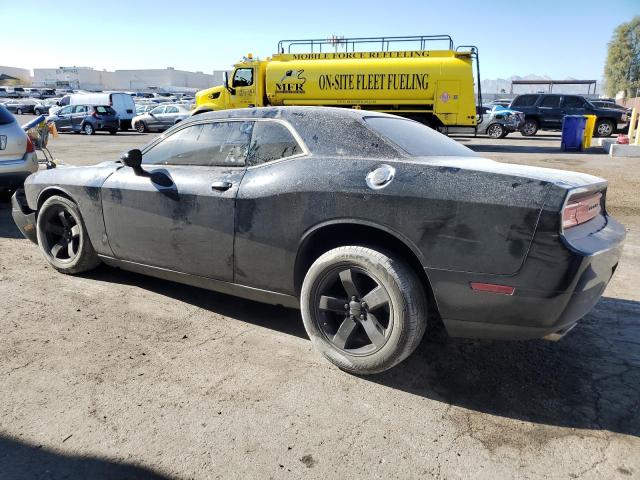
[{"x": 453, "y": 218}]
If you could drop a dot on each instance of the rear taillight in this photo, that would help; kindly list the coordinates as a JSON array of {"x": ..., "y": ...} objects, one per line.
[
  {"x": 580, "y": 210},
  {"x": 30, "y": 146},
  {"x": 94, "y": 113}
]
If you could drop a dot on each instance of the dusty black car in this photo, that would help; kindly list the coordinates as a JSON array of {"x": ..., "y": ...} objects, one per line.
[{"x": 360, "y": 219}]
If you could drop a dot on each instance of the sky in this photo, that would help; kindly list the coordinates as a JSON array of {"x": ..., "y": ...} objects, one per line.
[{"x": 561, "y": 38}]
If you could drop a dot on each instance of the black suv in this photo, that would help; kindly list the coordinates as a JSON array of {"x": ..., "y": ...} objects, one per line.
[{"x": 544, "y": 111}]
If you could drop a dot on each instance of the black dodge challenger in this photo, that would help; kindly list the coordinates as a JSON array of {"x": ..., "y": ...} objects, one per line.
[{"x": 360, "y": 219}]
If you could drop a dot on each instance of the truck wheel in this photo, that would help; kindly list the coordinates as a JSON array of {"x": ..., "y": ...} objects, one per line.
[
  {"x": 529, "y": 128},
  {"x": 63, "y": 238},
  {"x": 88, "y": 129},
  {"x": 363, "y": 309},
  {"x": 141, "y": 127},
  {"x": 495, "y": 130},
  {"x": 604, "y": 128}
]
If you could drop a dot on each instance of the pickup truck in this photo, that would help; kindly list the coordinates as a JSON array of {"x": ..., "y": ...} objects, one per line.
[{"x": 545, "y": 111}]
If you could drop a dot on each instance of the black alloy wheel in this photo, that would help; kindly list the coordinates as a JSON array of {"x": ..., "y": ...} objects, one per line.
[
  {"x": 62, "y": 234},
  {"x": 353, "y": 310}
]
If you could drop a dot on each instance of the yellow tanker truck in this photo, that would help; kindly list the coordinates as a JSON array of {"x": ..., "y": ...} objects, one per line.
[{"x": 435, "y": 87}]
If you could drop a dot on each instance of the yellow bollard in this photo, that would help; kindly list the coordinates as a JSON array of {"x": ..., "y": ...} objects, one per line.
[{"x": 632, "y": 124}]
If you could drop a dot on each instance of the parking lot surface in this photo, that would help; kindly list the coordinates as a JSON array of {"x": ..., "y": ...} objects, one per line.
[{"x": 116, "y": 375}]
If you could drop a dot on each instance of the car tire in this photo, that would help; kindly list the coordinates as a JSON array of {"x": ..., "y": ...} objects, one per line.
[
  {"x": 529, "y": 128},
  {"x": 63, "y": 238},
  {"x": 604, "y": 128},
  {"x": 141, "y": 127},
  {"x": 37, "y": 111},
  {"x": 506, "y": 132},
  {"x": 495, "y": 130},
  {"x": 113, "y": 132},
  {"x": 19, "y": 111},
  {"x": 88, "y": 129},
  {"x": 357, "y": 337}
]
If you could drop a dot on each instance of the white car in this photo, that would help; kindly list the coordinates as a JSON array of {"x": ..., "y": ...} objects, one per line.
[{"x": 17, "y": 153}]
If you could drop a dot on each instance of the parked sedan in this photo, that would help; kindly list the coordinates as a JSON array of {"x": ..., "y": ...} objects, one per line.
[
  {"x": 160, "y": 118},
  {"x": 21, "y": 106},
  {"x": 44, "y": 106},
  {"x": 86, "y": 118},
  {"x": 358, "y": 218},
  {"x": 17, "y": 153}
]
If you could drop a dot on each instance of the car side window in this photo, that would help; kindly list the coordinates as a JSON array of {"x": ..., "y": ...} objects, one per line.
[
  {"x": 552, "y": 101},
  {"x": 271, "y": 141},
  {"x": 572, "y": 102},
  {"x": 171, "y": 110},
  {"x": 243, "y": 77},
  {"x": 79, "y": 109},
  {"x": 210, "y": 144},
  {"x": 525, "y": 101},
  {"x": 157, "y": 110},
  {"x": 66, "y": 110}
]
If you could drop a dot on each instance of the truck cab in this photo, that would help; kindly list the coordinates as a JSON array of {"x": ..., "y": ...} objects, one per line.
[{"x": 244, "y": 88}]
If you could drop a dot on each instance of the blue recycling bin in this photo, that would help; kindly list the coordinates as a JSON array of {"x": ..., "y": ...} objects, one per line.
[{"x": 572, "y": 132}]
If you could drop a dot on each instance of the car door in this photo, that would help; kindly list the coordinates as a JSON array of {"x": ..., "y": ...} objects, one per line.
[
  {"x": 179, "y": 212},
  {"x": 550, "y": 111},
  {"x": 170, "y": 116},
  {"x": 63, "y": 118},
  {"x": 155, "y": 118},
  {"x": 77, "y": 117}
]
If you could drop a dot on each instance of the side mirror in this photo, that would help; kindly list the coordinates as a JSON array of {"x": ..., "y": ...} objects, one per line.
[
  {"x": 225, "y": 81},
  {"x": 133, "y": 159}
]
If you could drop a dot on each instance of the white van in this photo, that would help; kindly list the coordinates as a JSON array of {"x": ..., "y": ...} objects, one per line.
[{"x": 122, "y": 103}]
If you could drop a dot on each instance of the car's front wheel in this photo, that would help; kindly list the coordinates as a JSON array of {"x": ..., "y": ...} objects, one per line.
[
  {"x": 19, "y": 111},
  {"x": 496, "y": 131},
  {"x": 529, "y": 128},
  {"x": 63, "y": 238},
  {"x": 364, "y": 309},
  {"x": 141, "y": 127},
  {"x": 37, "y": 111}
]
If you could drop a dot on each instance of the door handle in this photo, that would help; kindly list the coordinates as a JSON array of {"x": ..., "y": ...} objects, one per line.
[{"x": 221, "y": 186}]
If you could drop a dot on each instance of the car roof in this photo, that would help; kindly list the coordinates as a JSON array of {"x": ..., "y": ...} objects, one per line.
[{"x": 325, "y": 130}]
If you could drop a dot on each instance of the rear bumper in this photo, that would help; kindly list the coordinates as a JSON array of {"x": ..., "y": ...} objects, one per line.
[
  {"x": 586, "y": 267},
  {"x": 14, "y": 172},
  {"x": 23, "y": 216}
]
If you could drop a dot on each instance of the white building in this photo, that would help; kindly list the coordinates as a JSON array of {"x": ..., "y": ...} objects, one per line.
[{"x": 86, "y": 78}]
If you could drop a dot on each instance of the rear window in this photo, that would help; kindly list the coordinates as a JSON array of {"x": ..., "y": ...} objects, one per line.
[
  {"x": 525, "y": 101},
  {"x": 105, "y": 110},
  {"x": 5, "y": 116},
  {"x": 415, "y": 138}
]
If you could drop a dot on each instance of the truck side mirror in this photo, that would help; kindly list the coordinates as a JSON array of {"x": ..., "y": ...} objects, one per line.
[{"x": 225, "y": 81}]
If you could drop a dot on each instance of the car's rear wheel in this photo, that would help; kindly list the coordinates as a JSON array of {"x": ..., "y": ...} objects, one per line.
[
  {"x": 141, "y": 127},
  {"x": 604, "y": 128},
  {"x": 530, "y": 127},
  {"x": 19, "y": 111},
  {"x": 496, "y": 130},
  {"x": 88, "y": 129},
  {"x": 63, "y": 238},
  {"x": 363, "y": 309}
]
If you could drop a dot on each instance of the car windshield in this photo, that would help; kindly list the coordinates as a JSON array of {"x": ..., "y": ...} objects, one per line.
[
  {"x": 415, "y": 138},
  {"x": 5, "y": 116}
]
